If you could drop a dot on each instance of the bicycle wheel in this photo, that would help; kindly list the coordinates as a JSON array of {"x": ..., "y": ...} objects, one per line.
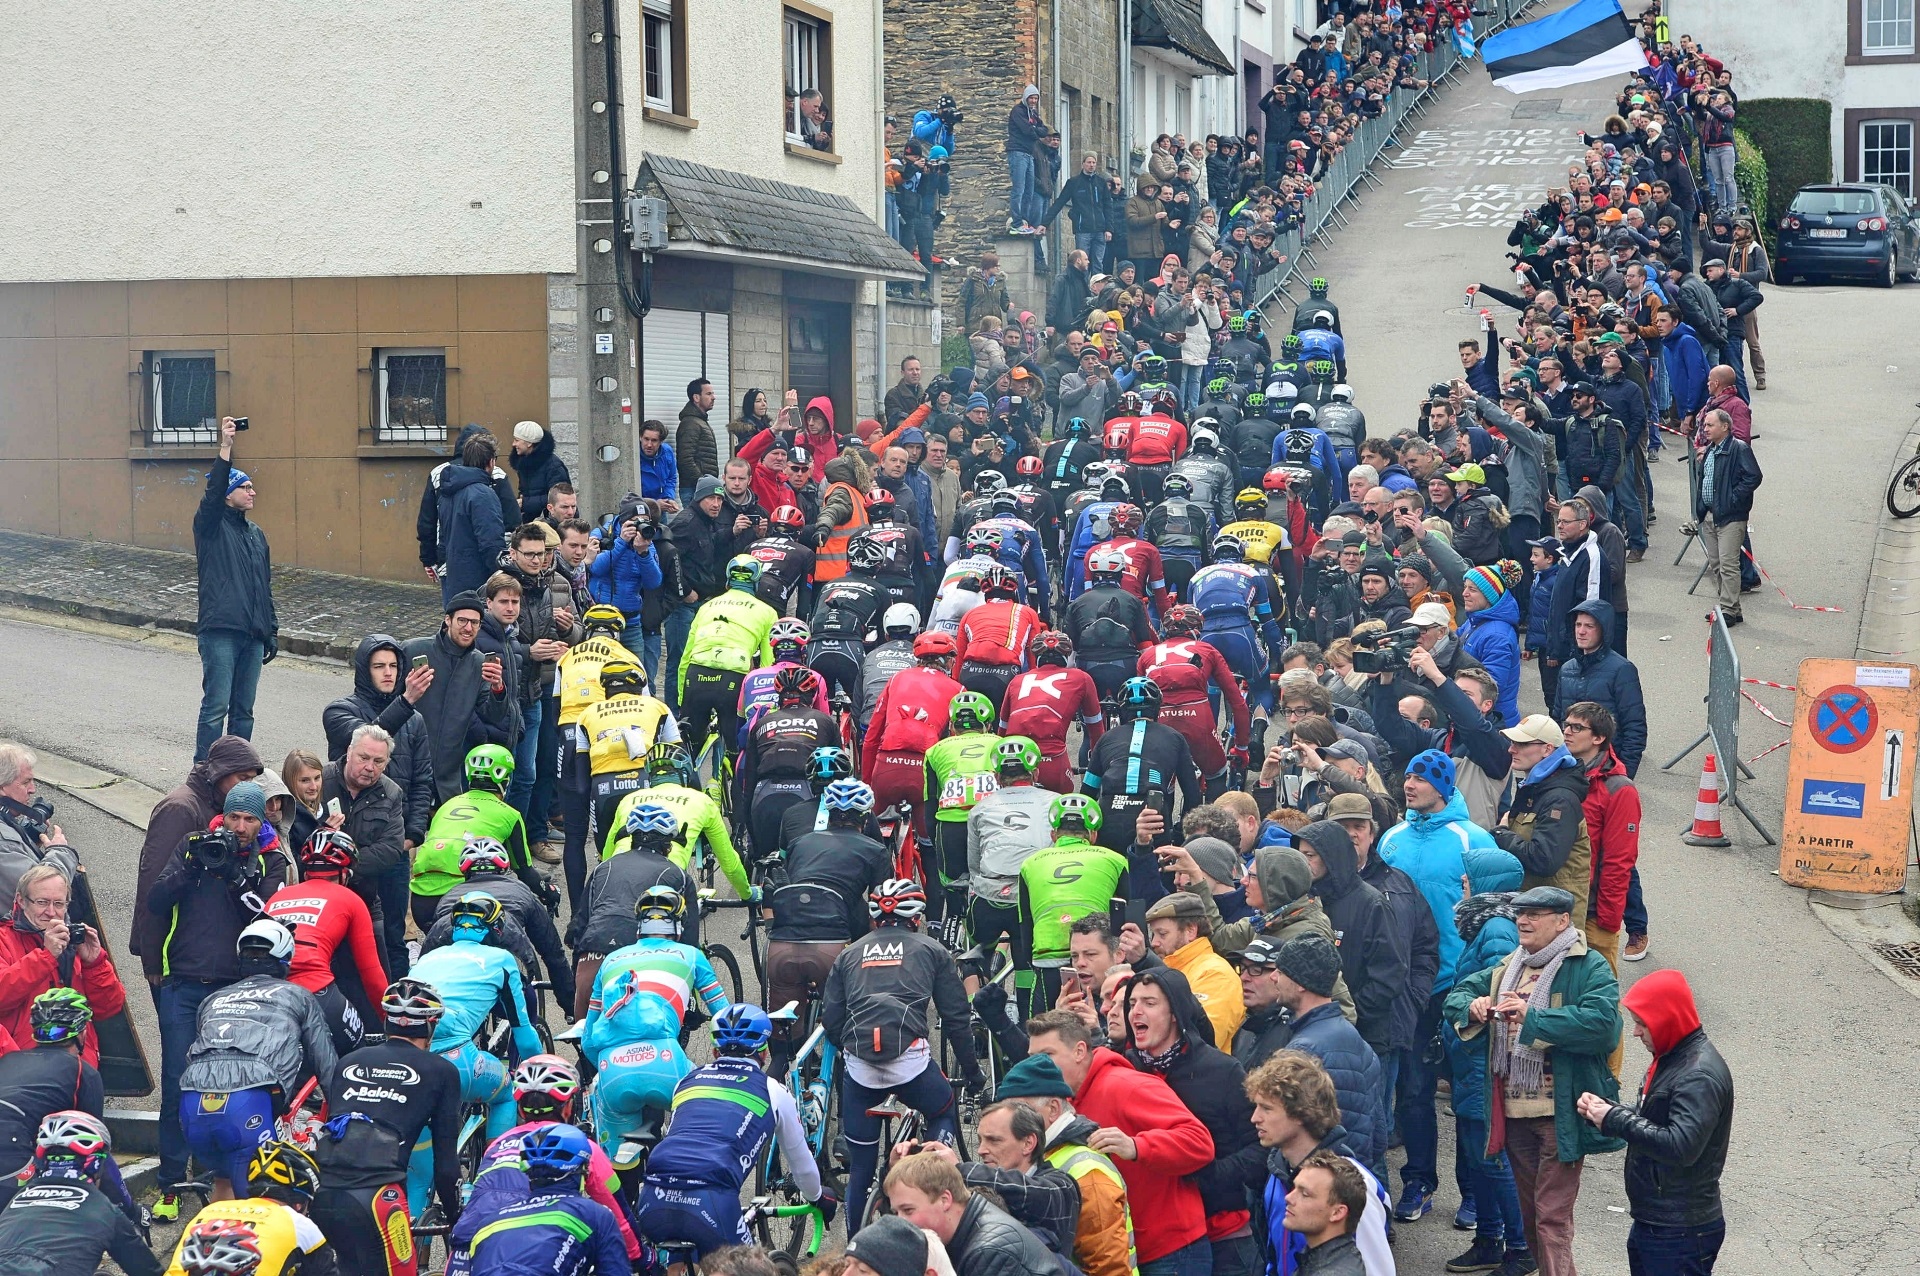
[
  {"x": 727, "y": 967},
  {"x": 1903, "y": 493}
]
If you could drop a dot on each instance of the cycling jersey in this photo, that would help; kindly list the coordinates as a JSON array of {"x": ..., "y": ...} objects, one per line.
[
  {"x": 1144, "y": 576},
  {"x": 757, "y": 695},
  {"x": 578, "y": 674},
  {"x": 1320, "y": 343},
  {"x": 875, "y": 1003},
  {"x": 61, "y": 1223},
  {"x": 911, "y": 715},
  {"x": 617, "y": 734},
  {"x": 848, "y": 607},
  {"x": 1236, "y": 596},
  {"x": 820, "y": 893},
  {"x": 1041, "y": 704},
  {"x": 259, "y": 1031},
  {"x": 1184, "y": 668},
  {"x": 1262, "y": 539},
  {"x": 721, "y": 1118},
  {"x": 785, "y": 565},
  {"x": 473, "y": 980},
  {"x": 409, "y": 1100},
  {"x": 959, "y": 593},
  {"x": 1309, "y": 447},
  {"x": 729, "y": 633},
  {"x": 526, "y": 929},
  {"x": 883, "y": 664},
  {"x": 900, "y": 549},
  {"x": 322, "y": 915},
  {"x": 960, "y": 771},
  {"x": 1310, "y": 310},
  {"x": 1178, "y": 526},
  {"x": 1133, "y": 763},
  {"x": 289, "y": 1241},
  {"x": 551, "y": 1233},
  {"x": 1022, "y": 554},
  {"x": 1064, "y": 462},
  {"x": 809, "y": 816},
  {"x": 1060, "y": 884},
  {"x": 1252, "y": 444},
  {"x": 642, "y": 993},
  {"x": 1003, "y": 830},
  {"x": 702, "y": 821},
  {"x": 474, "y": 814},
  {"x": 780, "y": 744},
  {"x": 1106, "y": 623},
  {"x": 501, "y": 1180},
  {"x": 1215, "y": 477},
  {"x": 36, "y": 1082},
  {"x": 966, "y": 516},
  {"x": 1156, "y": 440},
  {"x": 604, "y": 921},
  {"x": 997, "y": 633},
  {"x": 1093, "y": 525}
]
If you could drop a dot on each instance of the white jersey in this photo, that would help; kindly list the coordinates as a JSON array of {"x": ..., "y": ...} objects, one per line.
[{"x": 952, "y": 603}]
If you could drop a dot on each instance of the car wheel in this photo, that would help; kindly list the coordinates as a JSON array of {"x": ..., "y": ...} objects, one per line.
[
  {"x": 1891, "y": 275},
  {"x": 1911, "y": 273}
]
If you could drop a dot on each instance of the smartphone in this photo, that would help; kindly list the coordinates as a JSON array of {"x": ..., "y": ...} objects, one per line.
[
  {"x": 420, "y": 662},
  {"x": 333, "y": 807},
  {"x": 239, "y": 423}
]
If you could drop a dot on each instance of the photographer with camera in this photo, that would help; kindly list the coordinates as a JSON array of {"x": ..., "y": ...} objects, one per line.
[
  {"x": 213, "y": 886},
  {"x": 28, "y": 835},
  {"x": 1469, "y": 732},
  {"x": 44, "y": 950}
]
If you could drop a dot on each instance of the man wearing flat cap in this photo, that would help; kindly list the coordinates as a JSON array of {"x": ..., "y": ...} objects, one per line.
[{"x": 1552, "y": 1009}]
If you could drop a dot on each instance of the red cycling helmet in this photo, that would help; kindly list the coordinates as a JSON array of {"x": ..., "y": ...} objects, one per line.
[
  {"x": 1118, "y": 439},
  {"x": 1127, "y": 519},
  {"x": 1277, "y": 479},
  {"x": 328, "y": 853},
  {"x": 999, "y": 583},
  {"x": 935, "y": 644},
  {"x": 1183, "y": 619},
  {"x": 1027, "y": 466},
  {"x": 787, "y": 518},
  {"x": 880, "y": 499},
  {"x": 1050, "y": 647},
  {"x": 795, "y": 685}
]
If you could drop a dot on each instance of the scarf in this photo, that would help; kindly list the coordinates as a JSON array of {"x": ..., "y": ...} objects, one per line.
[
  {"x": 1159, "y": 1063},
  {"x": 1522, "y": 1064}
]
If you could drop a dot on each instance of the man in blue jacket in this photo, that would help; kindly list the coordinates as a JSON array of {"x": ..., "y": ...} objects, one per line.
[
  {"x": 473, "y": 528},
  {"x": 237, "y": 628},
  {"x": 1686, "y": 362},
  {"x": 1598, "y": 673},
  {"x": 1305, "y": 969},
  {"x": 659, "y": 468}
]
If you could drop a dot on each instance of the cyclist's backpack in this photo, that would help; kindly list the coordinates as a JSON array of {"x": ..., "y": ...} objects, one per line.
[{"x": 354, "y": 1146}]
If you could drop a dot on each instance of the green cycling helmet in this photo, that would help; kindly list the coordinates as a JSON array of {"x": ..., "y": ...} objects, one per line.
[
  {"x": 1320, "y": 369},
  {"x": 1290, "y": 344},
  {"x": 1075, "y": 813},
  {"x": 1017, "y": 754},
  {"x": 1217, "y": 388},
  {"x": 971, "y": 711},
  {"x": 1236, "y": 323},
  {"x": 1316, "y": 287},
  {"x": 743, "y": 571},
  {"x": 60, "y": 1015},
  {"x": 1256, "y": 400},
  {"x": 491, "y": 767}
]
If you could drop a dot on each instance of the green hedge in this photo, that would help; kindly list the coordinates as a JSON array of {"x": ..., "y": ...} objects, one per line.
[
  {"x": 956, "y": 351},
  {"x": 1750, "y": 175},
  {"x": 1792, "y": 135}
]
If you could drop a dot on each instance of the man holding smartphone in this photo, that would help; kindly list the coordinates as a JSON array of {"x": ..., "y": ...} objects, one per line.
[{"x": 238, "y": 630}]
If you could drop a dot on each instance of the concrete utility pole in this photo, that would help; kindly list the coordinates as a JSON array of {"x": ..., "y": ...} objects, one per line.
[{"x": 609, "y": 377}]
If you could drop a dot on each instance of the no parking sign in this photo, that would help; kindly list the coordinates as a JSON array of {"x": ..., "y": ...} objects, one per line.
[{"x": 1850, "y": 777}]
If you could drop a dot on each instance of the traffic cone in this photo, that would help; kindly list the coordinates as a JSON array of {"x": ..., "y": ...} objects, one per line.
[{"x": 1706, "y": 810}]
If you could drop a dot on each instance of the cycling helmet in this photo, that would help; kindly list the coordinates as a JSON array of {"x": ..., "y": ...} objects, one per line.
[
  {"x": 787, "y": 518},
  {"x": 1251, "y": 502},
  {"x": 1018, "y": 755},
  {"x": 1236, "y": 323},
  {"x": 1114, "y": 486},
  {"x": 848, "y": 795},
  {"x": 1342, "y": 393},
  {"x": 794, "y": 686},
  {"x": 1152, "y": 366},
  {"x": 741, "y": 1029},
  {"x": 1203, "y": 437},
  {"x": 1131, "y": 403},
  {"x": 827, "y": 764},
  {"x": 1106, "y": 562},
  {"x": 1077, "y": 427},
  {"x": 1182, "y": 619},
  {"x": 898, "y": 899},
  {"x": 998, "y": 582},
  {"x": 651, "y": 828},
  {"x": 220, "y": 1247},
  {"x": 491, "y": 767},
  {"x": 1280, "y": 391},
  {"x": 971, "y": 711},
  {"x": 1290, "y": 344},
  {"x": 545, "y": 1086},
  {"x": 901, "y": 620},
  {"x": 554, "y": 1152},
  {"x": 1003, "y": 503},
  {"x": 880, "y": 504},
  {"x": 1127, "y": 519},
  {"x": 1303, "y": 410},
  {"x": 743, "y": 572},
  {"x": 1231, "y": 549},
  {"x": 865, "y": 553},
  {"x": 1278, "y": 479},
  {"x": 788, "y": 638},
  {"x": 328, "y": 853},
  {"x": 1075, "y": 813},
  {"x": 1316, "y": 287},
  {"x": 1320, "y": 320},
  {"x": 411, "y": 1003},
  {"x": 985, "y": 541},
  {"x": 1139, "y": 698},
  {"x": 283, "y": 1172},
  {"x": 660, "y": 911},
  {"x": 60, "y": 1015},
  {"x": 1256, "y": 400},
  {"x": 1117, "y": 439},
  {"x": 266, "y": 938},
  {"x": 1178, "y": 487},
  {"x": 484, "y": 855},
  {"x": 1050, "y": 647},
  {"x": 1027, "y": 465},
  {"x": 79, "y": 1139},
  {"x": 603, "y": 618},
  {"x": 1320, "y": 369},
  {"x": 476, "y": 908},
  {"x": 1217, "y": 387},
  {"x": 1166, "y": 403},
  {"x": 934, "y": 646},
  {"x": 987, "y": 482},
  {"x": 669, "y": 759}
]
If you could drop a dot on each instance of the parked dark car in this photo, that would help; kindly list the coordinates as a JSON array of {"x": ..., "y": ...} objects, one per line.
[{"x": 1848, "y": 230}]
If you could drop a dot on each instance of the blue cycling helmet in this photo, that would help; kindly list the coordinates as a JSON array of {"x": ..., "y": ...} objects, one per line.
[
  {"x": 742, "y": 1028},
  {"x": 652, "y": 828},
  {"x": 826, "y": 764},
  {"x": 555, "y": 1152},
  {"x": 848, "y": 795},
  {"x": 1077, "y": 427}
]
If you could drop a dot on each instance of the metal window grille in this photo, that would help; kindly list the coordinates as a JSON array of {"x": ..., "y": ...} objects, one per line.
[
  {"x": 181, "y": 389},
  {"x": 413, "y": 396}
]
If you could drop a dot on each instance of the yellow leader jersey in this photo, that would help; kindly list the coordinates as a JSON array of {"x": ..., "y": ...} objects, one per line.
[
  {"x": 286, "y": 1236},
  {"x": 1262, "y": 539}
]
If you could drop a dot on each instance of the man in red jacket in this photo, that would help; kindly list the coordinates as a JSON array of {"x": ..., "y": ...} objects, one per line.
[
  {"x": 40, "y": 950},
  {"x": 1150, "y": 1134},
  {"x": 1612, "y": 808}
]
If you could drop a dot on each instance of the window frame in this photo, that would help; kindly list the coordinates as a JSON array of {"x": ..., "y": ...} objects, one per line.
[
  {"x": 385, "y": 431},
  {"x": 656, "y": 58},
  {"x": 1857, "y": 52},
  {"x": 1878, "y": 178},
  {"x": 1868, "y": 22},
  {"x": 154, "y": 395},
  {"x": 797, "y": 15}
]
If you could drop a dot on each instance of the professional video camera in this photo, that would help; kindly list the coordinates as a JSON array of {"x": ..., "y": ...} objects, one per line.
[
  {"x": 1384, "y": 652},
  {"x": 216, "y": 851}
]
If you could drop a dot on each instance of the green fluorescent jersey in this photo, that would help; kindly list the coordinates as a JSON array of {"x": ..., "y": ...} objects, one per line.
[
  {"x": 729, "y": 632},
  {"x": 475, "y": 813},
  {"x": 1062, "y": 884},
  {"x": 699, "y": 814},
  {"x": 961, "y": 771}
]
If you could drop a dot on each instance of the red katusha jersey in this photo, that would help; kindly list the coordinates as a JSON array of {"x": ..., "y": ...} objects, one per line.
[
  {"x": 1042, "y": 703},
  {"x": 1183, "y": 667},
  {"x": 1156, "y": 440},
  {"x": 1145, "y": 575},
  {"x": 997, "y": 633}
]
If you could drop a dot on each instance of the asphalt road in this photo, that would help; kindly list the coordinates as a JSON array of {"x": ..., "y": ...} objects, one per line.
[{"x": 1818, "y": 1180}]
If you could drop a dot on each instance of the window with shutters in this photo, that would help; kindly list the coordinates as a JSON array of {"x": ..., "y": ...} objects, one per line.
[
  {"x": 181, "y": 398},
  {"x": 679, "y": 345},
  {"x": 809, "y": 42},
  {"x": 664, "y": 56}
]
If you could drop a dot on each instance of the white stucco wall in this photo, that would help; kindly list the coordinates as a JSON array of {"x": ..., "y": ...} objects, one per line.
[
  {"x": 736, "y": 53},
  {"x": 273, "y": 138}
]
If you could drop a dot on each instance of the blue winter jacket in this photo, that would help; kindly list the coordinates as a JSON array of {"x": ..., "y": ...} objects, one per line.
[
  {"x": 1435, "y": 849},
  {"x": 1541, "y": 609},
  {"x": 1492, "y": 637},
  {"x": 1324, "y": 1033},
  {"x": 660, "y": 475},
  {"x": 476, "y": 531},
  {"x": 1609, "y": 679},
  {"x": 922, "y": 488},
  {"x": 1686, "y": 368},
  {"x": 619, "y": 576},
  {"x": 1497, "y": 937}
]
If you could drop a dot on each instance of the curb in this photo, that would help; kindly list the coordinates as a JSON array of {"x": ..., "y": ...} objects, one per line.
[
  {"x": 141, "y": 1176},
  {"x": 290, "y": 643},
  {"x": 128, "y": 801}
]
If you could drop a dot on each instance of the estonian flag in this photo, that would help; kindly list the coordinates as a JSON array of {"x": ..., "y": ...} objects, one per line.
[{"x": 1589, "y": 40}]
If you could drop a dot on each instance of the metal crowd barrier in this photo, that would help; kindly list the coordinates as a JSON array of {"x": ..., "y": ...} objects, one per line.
[{"x": 1352, "y": 170}]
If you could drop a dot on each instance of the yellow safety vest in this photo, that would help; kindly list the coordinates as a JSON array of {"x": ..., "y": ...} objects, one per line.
[
  {"x": 1079, "y": 1160},
  {"x": 579, "y": 674}
]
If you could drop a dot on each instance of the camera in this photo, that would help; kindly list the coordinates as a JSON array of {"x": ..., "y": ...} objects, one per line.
[
  {"x": 214, "y": 851},
  {"x": 949, "y": 110},
  {"x": 36, "y": 821},
  {"x": 1290, "y": 756},
  {"x": 1384, "y": 652}
]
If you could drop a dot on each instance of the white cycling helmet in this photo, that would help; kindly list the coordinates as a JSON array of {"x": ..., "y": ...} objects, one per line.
[
  {"x": 1342, "y": 393},
  {"x": 904, "y": 617},
  {"x": 269, "y": 936}
]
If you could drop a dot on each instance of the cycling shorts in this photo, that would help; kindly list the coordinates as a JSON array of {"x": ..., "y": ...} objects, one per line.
[
  {"x": 1240, "y": 648},
  {"x": 838, "y": 662},
  {"x": 989, "y": 679},
  {"x": 901, "y": 778},
  {"x": 224, "y": 1130},
  {"x": 769, "y": 804},
  {"x": 368, "y": 1229},
  {"x": 483, "y": 1077},
  {"x": 1195, "y": 724},
  {"x": 791, "y": 966},
  {"x": 707, "y": 1218},
  {"x": 633, "y": 1079}
]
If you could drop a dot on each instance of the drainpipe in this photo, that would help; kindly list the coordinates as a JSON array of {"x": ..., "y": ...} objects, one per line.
[
  {"x": 880, "y": 145},
  {"x": 1126, "y": 96}
]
